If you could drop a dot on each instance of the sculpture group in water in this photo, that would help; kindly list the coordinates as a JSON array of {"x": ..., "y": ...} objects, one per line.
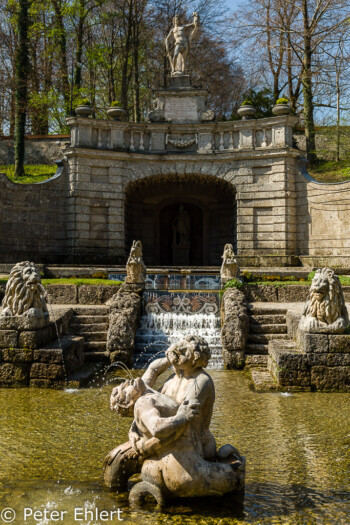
[{"x": 170, "y": 443}]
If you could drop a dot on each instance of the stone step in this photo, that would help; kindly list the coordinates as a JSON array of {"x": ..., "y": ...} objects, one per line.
[
  {"x": 262, "y": 379},
  {"x": 255, "y": 328},
  {"x": 265, "y": 338},
  {"x": 256, "y": 360},
  {"x": 87, "y": 328},
  {"x": 256, "y": 349},
  {"x": 90, "y": 319},
  {"x": 267, "y": 319},
  {"x": 95, "y": 336},
  {"x": 82, "y": 309},
  {"x": 263, "y": 310},
  {"x": 97, "y": 357},
  {"x": 94, "y": 346}
]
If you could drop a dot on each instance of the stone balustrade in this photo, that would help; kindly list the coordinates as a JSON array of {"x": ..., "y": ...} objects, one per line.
[{"x": 201, "y": 138}]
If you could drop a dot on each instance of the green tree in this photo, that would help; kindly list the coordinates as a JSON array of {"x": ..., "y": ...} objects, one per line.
[{"x": 21, "y": 76}]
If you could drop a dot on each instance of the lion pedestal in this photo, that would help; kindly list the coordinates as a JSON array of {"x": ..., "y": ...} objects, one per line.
[
  {"x": 30, "y": 352},
  {"x": 317, "y": 355}
]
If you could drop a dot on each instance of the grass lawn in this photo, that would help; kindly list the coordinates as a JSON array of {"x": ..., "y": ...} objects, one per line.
[
  {"x": 331, "y": 171},
  {"x": 33, "y": 173}
]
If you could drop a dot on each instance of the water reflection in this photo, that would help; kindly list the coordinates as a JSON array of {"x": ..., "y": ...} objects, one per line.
[{"x": 52, "y": 446}]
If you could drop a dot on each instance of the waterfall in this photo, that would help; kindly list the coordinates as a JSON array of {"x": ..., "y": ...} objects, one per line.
[{"x": 159, "y": 330}]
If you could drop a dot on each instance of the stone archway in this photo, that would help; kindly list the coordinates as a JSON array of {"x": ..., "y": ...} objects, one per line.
[{"x": 181, "y": 220}]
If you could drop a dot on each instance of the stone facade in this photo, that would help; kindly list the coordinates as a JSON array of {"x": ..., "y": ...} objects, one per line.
[{"x": 240, "y": 183}]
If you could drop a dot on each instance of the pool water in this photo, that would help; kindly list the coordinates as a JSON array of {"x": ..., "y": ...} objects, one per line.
[{"x": 53, "y": 443}]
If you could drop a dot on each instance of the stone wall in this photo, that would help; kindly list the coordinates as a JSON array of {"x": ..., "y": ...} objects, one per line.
[
  {"x": 39, "y": 149},
  {"x": 323, "y": 212},
  {"x": 34, "y": 219}
]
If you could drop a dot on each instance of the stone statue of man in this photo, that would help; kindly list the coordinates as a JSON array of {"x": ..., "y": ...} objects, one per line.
[{"x": 183, "y": 36}]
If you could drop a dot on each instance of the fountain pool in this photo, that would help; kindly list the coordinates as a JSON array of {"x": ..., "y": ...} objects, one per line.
[{"x": 52, "y": 446}]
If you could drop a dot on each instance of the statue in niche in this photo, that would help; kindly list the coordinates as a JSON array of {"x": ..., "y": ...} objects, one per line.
[
  {"x": 229, "y": 268},
  {"x": 325, "y": 310},
  {"x": 181, "y": 228},
  {"x": 135, "y": 267},
  {"x": 169, "y": 440},
  {"x": 183, "y": 36}
]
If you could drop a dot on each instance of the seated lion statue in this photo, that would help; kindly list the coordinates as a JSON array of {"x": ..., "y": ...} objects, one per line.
[
  {"x": 24, "y": 294},
  {"x": 325, "y": 309}
]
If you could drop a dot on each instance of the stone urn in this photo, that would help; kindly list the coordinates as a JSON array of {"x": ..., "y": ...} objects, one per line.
[
  {"x": 116, "y": 113},
  {"x": 281, "y": 109},
  {"x": 84, "y": 111},
  {"x": 246, "y": 112}
]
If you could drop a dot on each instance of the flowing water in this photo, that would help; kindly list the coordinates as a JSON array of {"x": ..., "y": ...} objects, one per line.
[
  {"x": 52, "y": 446},
  {"x": 158, "y": 330}
]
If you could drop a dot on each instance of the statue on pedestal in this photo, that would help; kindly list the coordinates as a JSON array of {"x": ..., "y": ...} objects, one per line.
[
  {"x": 229, "y": 268},
  {"x": 325, "y": 310},
  {"x": 135, "y": 267},
  {"x": 181, "y": 237},
  {"x": 25, "y": 299},
  {"x": 183, "y": 36}
]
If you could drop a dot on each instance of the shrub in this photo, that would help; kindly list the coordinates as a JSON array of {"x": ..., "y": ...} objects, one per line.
[
  {"x": 84, "y": 102},
  {"x": 234, "y": 283},
  {"x": 115, "y": 103},
  {"x": 247, "y": 102},
  {"x": 282, "y": 100}
]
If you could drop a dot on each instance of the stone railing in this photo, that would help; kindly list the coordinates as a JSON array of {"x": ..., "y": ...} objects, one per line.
[{"x": 215, "y": 137}]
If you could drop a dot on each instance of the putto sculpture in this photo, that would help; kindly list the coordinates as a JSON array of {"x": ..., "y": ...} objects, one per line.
[
  {"x": 182, "y": 36},
  {"x": 229, "y": 268},
  {"x": 24, "y": 294},
  {"x": 169, "y": 440},
  {"x": 325, "y": 309},
  {"x": 135, "y": 267}
]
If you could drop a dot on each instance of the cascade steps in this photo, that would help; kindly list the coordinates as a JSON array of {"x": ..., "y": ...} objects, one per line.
[
  {"x": 266, "y": 322},
  {"x": 91, "y": 323}
]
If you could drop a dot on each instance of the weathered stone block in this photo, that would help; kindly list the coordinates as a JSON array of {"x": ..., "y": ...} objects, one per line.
[
  {"x": 289, "y": 377},
  {"x": 286, "y": 355},
  {"x": 62, "y": 294},
  {"x": 90, "y": 294},
  {"x": 292, "y": 321},
  {"x": 46, "y": 383},
  {"x": 260, "y": 293},
  {"x": 335, "y": 359},
  {"x": 339, "y": 343},
  {"x": 14, "y": 374},
  {"x": 313, "y": 342},
  {"x": 335, "y": 378},
  {"x": 17, "y": 355},
  {"x": 235, "y": 328},
  {"x": 34, "y": 339},
  {"x": 292, "y": 293},
  {"x": 46, "y": 371},
  {"x": 43, "y": 355},
  {"x": 8, "y": 338}
]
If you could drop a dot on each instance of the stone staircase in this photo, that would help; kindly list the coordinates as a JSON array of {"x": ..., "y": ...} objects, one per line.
[
  {"x": 266, "y": 321},
  {"x": 91, "y": 323}
]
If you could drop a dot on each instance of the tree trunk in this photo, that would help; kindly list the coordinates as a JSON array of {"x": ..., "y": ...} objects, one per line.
[
  {"x": 127, "y": 49},
  {"x": 307, "y": 90},
  {"x": 79, "y": 51},
  {"x": 22, "y": 69},
  {"x": 62, "y": 44},
  {"x": 338, "y": 117}
]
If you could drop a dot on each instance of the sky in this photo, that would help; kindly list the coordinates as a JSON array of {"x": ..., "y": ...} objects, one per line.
[{"x": 233, "y": 3}]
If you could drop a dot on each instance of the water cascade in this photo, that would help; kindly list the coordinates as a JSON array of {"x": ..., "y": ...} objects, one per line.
[{"x": 158, "y": 328}]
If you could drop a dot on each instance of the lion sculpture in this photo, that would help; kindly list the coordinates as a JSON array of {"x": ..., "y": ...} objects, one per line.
[
  {"x": 24, "y": 295},
  {"x": 325, "y": 309},
  {"x": 135, "y": 267},
  {"x": 229, "y": 268}
]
